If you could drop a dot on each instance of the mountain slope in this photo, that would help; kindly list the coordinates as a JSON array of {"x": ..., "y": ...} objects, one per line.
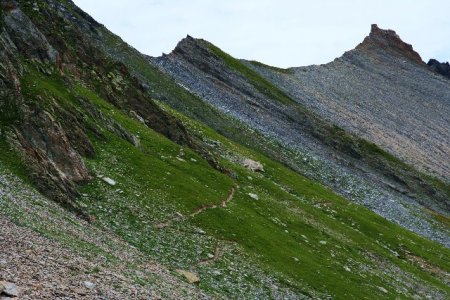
[
  {"x": 164, "y": 197},
  {"x": 383, "y": 92},
  {"x": 307, "y": 143}
]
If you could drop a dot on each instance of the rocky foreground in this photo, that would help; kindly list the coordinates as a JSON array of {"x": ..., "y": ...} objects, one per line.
[{"x": 97, "y": 265}]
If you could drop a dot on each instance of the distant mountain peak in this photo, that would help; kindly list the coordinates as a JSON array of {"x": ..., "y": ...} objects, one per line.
[
  {"x": 187, "y": 45},
  {"x": 388, "y": 40}
]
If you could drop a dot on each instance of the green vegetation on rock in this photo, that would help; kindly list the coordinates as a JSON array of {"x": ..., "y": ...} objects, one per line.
[{"x": 262, "y": 84}]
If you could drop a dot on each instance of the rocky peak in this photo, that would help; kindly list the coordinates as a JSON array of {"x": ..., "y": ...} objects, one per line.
[
  {"x": 188, "y": 46},
  {"x": 388, "y": 40}
]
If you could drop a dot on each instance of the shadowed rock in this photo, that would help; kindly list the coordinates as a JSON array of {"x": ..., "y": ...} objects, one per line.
[{"x": 441, "y": 68}]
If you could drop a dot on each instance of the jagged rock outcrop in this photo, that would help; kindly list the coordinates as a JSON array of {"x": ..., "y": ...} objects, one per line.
[
  {"x": 441, "y": 68},
  {"x": 56, "y": 167},
  {"x": 382, "y": 41},
  {"x": 27, "y": 38}
]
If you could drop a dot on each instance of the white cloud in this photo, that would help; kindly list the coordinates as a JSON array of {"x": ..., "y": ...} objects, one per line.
[{"x": 277, "y": 32}]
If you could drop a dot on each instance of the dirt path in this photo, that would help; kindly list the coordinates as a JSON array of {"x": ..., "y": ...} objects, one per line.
[
  {"x": 200, "y": 210},
  {"x": 224, "y": 203}
]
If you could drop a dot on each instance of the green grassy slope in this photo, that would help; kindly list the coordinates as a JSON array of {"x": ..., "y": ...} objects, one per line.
[{"x": 299, "y": 235}]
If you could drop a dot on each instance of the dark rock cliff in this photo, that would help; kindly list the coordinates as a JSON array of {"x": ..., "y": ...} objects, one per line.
[{"x": 441, "y": 68}]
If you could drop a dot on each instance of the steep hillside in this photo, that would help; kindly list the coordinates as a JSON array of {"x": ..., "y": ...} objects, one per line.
[
  {"x": 353, "y": 167},
  {"x": 191, "y": 177}
]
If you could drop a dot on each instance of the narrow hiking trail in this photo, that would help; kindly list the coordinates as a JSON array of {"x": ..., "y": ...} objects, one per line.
[
  {"x": 200, "y": 210},
  {"x": 224, "y": 203}
]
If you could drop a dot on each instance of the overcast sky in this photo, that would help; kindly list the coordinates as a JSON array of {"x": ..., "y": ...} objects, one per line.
[{"x": 282, "y": 33}]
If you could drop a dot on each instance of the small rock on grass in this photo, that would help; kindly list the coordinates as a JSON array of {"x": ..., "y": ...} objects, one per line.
[
  {"x": 252, "y": 165},
  {"x": 109, "y": 181},
  {"x": 253, "y": 196},
  {"x": 190, "y": 277}
]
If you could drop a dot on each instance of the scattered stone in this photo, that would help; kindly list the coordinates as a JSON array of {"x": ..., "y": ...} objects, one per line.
[
  {"x": 109, "y": 181},
  {"x": 346, "y": 268},
  {"x": 253, "y": 196},
  {"x": 8, "y": 289},
  {"x": 323, "y": 242},
  {"x": 89, "y": 285},
  {"x": 296, "y": 259},
  {"x": 210, "y": 256},
  {"x": 200, "y": 231},
  {"x": 252, "y": 165},
  {"x": 190, "y": 277},
  {"x": 382, "y": 289},
  {"x": 193, "y": 160}
]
